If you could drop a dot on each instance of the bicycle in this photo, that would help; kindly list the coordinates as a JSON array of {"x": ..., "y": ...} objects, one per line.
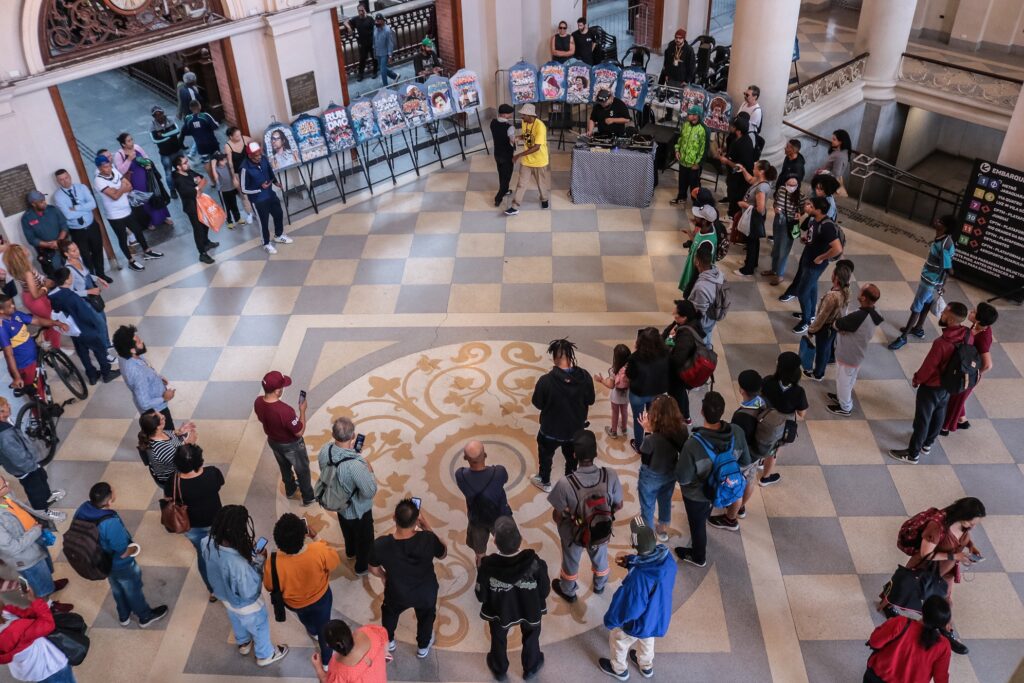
[{"x": 62, "y": 365}]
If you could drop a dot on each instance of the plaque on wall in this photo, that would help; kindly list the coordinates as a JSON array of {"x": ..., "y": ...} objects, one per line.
[
  {"x": 302, "y": 95},
  {"x": 15, "y": 183}
]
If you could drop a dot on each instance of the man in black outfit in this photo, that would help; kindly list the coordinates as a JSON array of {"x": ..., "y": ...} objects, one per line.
[
  {"x": 610, "y": 115},
  {"x": 680, "y": 61},
  {"x": 189, "y": 184},
  {"x": 739, "y": 153},
  {"x": 583, "y": 39},
  {"x": 362, "y": 24},
  {"x": 793, "y": 162},
  {"x": 503, "y": 132}
]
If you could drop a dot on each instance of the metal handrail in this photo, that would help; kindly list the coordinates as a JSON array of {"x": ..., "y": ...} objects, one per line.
[
  {"x": 960, "y": 67},
  {"x": 817, "y": 138},
  {"x": 796, "y": 86}
]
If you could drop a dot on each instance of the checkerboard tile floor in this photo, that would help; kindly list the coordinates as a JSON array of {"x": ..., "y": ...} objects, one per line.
[{"x": 437, "y": 246}]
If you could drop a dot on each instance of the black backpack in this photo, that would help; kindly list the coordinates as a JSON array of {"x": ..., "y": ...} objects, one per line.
[
  {"x": 963, "y": 369},
  {"x": 83, "y": 551},
  {"x": 483, "y": 510}
]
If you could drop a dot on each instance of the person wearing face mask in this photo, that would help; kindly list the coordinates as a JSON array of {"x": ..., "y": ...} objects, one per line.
[{"x": 785, "y": 227}]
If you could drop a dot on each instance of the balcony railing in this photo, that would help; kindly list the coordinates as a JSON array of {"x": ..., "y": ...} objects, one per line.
[
  {"x": 831, "y": 81},
  {"x": 411, "y": 22},
  {"x": 984, "y": 87}
]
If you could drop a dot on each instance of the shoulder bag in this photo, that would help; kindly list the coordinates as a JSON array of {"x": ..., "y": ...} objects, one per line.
[
  {"x": 69, "y": 637},
  {"x": 276, "y": 596},
  {"x": 174, "y": 512},
  {"x": 909, "y": 588}
]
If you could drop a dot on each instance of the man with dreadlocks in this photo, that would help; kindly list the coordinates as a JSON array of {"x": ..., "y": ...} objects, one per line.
[
  {"x": 563, "y": 397},
  {"x": 235, "y": 571}
]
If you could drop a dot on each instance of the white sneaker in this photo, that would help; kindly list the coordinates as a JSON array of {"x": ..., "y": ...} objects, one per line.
[
  {"x": 245, "y": 648},
  {"x": 424, "y": 651},
  {"x": 392, "y": 645},
  {"x": 248, "y": 219},
  {"x": 280, "y": 652},
  {"x": 270, "y": 248},
  {"x": 56, "y": 495},
  {"x": 283, "y": 239},
  {"x": 539, "y": 483},
  {"x": 112, "y": 359},
  {"x": 56, "y": 515}
]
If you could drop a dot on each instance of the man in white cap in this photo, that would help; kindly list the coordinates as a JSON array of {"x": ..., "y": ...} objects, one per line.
[
  {"x": 535, "y": 160},
  {"x": 258, "y": 180}
]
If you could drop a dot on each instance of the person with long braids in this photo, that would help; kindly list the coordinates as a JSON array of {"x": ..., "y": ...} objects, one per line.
[
  {"x": 907, "y": 651},
  {"x": 563, "y": 397},
  {"x": 235, "y": 572}
]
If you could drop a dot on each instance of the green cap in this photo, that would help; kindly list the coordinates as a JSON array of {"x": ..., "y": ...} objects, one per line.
[
  {"x": 695, "y": 109},
  {"x": 428, "y": 42}
]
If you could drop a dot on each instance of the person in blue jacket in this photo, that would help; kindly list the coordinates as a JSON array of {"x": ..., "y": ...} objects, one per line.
[
  {"x": 93, "y": 336},
  {"x": 641, "y": 608},
  {"x": 125, "y": 576},
  {"x": 258, "y": 180}
]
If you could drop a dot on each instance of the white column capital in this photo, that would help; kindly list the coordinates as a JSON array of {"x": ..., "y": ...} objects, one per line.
[
  {"x": 1012, "y": 152},
  {"x": 884, "y": 31}
]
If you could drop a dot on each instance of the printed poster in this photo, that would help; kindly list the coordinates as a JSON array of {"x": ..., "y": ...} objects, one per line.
[
  {"x": 694, "y": 95},
  {"x": 577, "y": 77},
  {"x": 522, "y": 83},
  {"x": 552, "y": 82},
  {"x": 363, "y": 123},
  {"x": 281, "y": 148},
  {"x": 719, "y": 112},
  {"x": 439, "y": 95},
  {"x": 465, "y": 86},
  {"x": 309, "y": 134},
  {"x": 339, "y": 131},
  {"x": 604, "y": 77},
  {"x": 389, "y": 111},
  {"x": 414, "y": 105},
  {"x": 633, "y": 87}
]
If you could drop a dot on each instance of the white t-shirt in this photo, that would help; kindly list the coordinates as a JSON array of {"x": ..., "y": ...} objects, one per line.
[
  {"x": 114, "y": 208},
  {"x": 755, "y": 116},
  {"x": 38, "y": 661}
]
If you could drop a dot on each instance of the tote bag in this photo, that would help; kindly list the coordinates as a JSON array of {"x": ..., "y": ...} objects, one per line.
[
  {"x": 210, "y": 212},
  {"x": 173, "y": 511}
]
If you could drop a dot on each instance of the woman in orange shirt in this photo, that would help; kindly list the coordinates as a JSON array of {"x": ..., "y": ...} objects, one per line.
[{"x": 359, "y": 657}]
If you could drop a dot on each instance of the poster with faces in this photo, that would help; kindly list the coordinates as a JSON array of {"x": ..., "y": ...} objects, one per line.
[
  {"x": 694, "y": 95},
  {"x": 309, "y": 134},
  {"x": 718, "y": 112},
  {"x": 282, "y": 150},
  {"x": 633, "y": 87},
  {"x": 389, "y": 112},
  {"x": 552, "y": 82},
  {"x": 439, "y": 96},
  {"x": 337, "y": 128},
  {"x": 363, "y": 122},
  {"x": 414, "y": 104},
  {"x": 522, "y": 83},
  {"x": 465, "y": 86},
  {"x": 577, "y": 79},
  {"x": 604, "y": 77}
]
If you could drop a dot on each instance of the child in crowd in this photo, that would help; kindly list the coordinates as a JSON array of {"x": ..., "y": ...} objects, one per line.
[
  {"x": 746, "y": 418},
  {"x": 782, "y": 391},
  {"x": 224, "y": 181},
  {"x": 619, "y": 385}
]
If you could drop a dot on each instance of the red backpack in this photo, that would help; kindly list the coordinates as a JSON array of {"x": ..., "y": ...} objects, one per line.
[
  {"x": 701, "y": 365},
  {"x": 909, "y": 538}
]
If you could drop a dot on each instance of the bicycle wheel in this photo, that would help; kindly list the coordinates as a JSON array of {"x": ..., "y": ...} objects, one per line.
[
  {"x": 67, "y": 372},
  {"x": 40, "y": 430}
]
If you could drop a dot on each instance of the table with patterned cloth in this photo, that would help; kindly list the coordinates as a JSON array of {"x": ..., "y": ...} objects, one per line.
[{"x": 623, "y": 177}]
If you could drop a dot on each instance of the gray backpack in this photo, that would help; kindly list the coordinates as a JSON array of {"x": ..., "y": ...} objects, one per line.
[{"x": 328, "y": 490}]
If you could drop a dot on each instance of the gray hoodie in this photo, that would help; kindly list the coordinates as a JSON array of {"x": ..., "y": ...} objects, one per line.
[
  {"x": 855, "y": 332},
  {"x": 703, "y": 295},
  {"x": 18, "y": 547},
  {"x": 15, "y": 452}
]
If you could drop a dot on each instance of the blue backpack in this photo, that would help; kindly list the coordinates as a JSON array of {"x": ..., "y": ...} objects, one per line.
[{"x": 726, "y": 483}]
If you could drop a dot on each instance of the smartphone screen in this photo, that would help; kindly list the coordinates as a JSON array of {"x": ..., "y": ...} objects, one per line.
[
  {"x": 416, "y": 502},
  {"x": 360, "y": 438},
  {"x": 302, "y": 396},
  {"x": 261, "y": 543}
]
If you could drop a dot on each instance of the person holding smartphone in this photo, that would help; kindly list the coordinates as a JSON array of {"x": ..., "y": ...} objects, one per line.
[{"x": 284, "y": 430}]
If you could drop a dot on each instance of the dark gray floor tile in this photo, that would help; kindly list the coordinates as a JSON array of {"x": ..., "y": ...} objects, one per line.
[
  {"x": 874, "y": 268},
  {"x": 630, "y": 296},
  {"x": 223, "y": 301},
  {"x": 423, "y": 299},
  {"x": 668, "y": 268},
  {"x": 258, "y": 330},
  {"x": 745, "y": 296},
  {"x": 994, "y": 660},
  {"x": 477, "y": 270},
  {"x": 627, "y": 243},
  {"x": 227, "y": 400},
  {"x": 160, "y": 330},
  {"x": 759, "y": 357},
  {"x": 441, "y": 201},
  {"x": 321, "y": 300},
  {"x": 896, "y": 434},
  {"x": 527, "y": 298},
  {"x": 190, "y": 364},
  {"x": 573, "y": 220},
  {"x": 379, "y": 272},
  {"x": 999, "y": 486},
  {"x": 809, "y": 545},
  {"x": 528, "y": 244},
  {"x": 1012, "y": 434},
  {"x": 483, "y": 182},
  {"x": 341, "y": 246},
  {"x": 284, "y": 274},
  {"x": 162, "y": 587},
  {"x": 576, "y": 269},
  {"x": 394, "y": 223},
  {"x": 434, "y": 245},
  {"x": 863, "y": 490},
  {"x": 880, "y": 363},
  {"x": 110, "y": 400},
  {"x": 132, "y": 308},
  {"x": 76, "y": 477},
  {"x": 485, "y": 221},
  {"x": 1002, "y": 366},
  {"x": 825, "y": 659}
]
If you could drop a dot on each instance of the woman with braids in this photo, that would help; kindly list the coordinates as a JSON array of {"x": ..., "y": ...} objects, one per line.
[
  {"x": 235, "y": 572},
  {"x": 563, "y": 397},
  {"x": 907, "y": 651}
]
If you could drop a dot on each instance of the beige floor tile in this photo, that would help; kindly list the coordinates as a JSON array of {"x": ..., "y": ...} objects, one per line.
[
  {"x": 94, "y": 439},
  {"x": 220, "y": 438},
  {"x": 699, "y": 624},
  {"x": 481, "y": 163},
  {"x": 89, "y": 596},
  {"x": 529, "y": 221},
  {"x": 271, "y": 301},
  {"x": 401, "y": 202},
  {"x": 111, "y": 644},
  {"x": 908, "y": 264},
  {"x": 664, "y": 243},
  {"x": 844, "y": 442},
  {"x": 331, "y": 272},
  {"x": 302, "y": 249},
  {"x": 176, "y": 302},
  {"x": 482, "y": 201},
  {"x": 560, "y": 200},
  {"x": 213, "y": 330},
  {"x": 801, "y": 493},
  {"x": 575, "y": 244},
  {"x": 979, "y": 598},
  {"x": 527, "y": 269},
  {"x": 912, "y": 355},
  {"x": 428, "y": 271},
  {"x": 770, "y": 295},
  {"x": 627, "y": 269},
  {"x": 157, "y": 355},
  {"x": 480, "y": 244},
  {"x": 579, "y": 297},
  {"x": 925, "y": 486},
  {"x": 961, "y": 671},
  {"x": 238, "y": 273},
  {"x": 828, "y": 607},
  {"x": 447, "y": 182},
  {"x": 886, "y": 399},
  {"x": 243, "y": 363},
  {"x": 349, "y": 223},
  {"x": 862, "y": 538},
  {"x": 670, "y": 222},
  {"x": 372, "y": 299},
  {"x": 186, "y": 398},
  {"x": 475, "y": 299},
  {"x": 133, "y": 487},
  {"x": 896, "y": 296},
  {"x": 438, "y": 222},
  {"x": 1000, "y": 397},
  {"x": 980, "y": 446},
  {"x": 1004, "y": 531},
  {"x": 561, "y": 162},
  {"x": 160, "y": 549},
  {"x": 667, "y": 293},
  {"x": 1015, "y": 350},
  {"x": 746, "y": 327},
  {"x": 387, "y": 246},
  {"x": 619, "y": 219}
]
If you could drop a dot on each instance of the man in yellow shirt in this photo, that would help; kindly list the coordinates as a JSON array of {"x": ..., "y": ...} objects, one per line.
[{"x": 535, "y": 160}]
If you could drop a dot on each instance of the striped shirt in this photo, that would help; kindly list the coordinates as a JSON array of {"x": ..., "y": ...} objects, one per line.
[{"x": 161, "y": 457}]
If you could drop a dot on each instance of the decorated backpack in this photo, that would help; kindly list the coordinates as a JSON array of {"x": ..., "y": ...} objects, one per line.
[
  {"x": 593, "y": 517},
  {"x": 909, "y": 538}
]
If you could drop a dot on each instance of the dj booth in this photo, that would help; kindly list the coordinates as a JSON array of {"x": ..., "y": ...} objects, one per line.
[{"x": 608, "y": 170}]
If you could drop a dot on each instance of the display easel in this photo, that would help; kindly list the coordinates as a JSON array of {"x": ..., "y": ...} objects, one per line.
[
  {"x": 433, "y": 141},
  {"x": 467, "y": 131},
  {"x": 439, "y": 124},
  {"x": 342, "y": 160},
  {"x": 311, "y": 166},
  {"x": 389, "y": 144},
  {"x": 382, "y": 146},
  {"x": 288, "y": 189}
]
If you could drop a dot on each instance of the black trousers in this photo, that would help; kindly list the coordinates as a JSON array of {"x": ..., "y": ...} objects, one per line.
[
  {"x": 90, "y": 243},
  {"x": 681, "y": 394},
  {"x": 504, "y": 178},
  {"x": 929, "y": 413},
  {"x": 358, "y": 535},
  {"x": 871, "y": 677},
  {"x": 697, "y": 517},
  {"x": 735, "y": 188},
  {"x": 200, "y": 231},
  {"x": 230, "y": 199},
  {"x": 497, "y": 660},
  {"x": 266, "y": 210},
  {"x": 753, "y": 244},
  {"x": 425, "y": 616},
  {"x": 366, "y": 57},
  {"x": 135, "y": 223},
  {"x": 546, "y": 454},
  {"x": 37, "y": 488},
  {"x": 689, "y": 178}
]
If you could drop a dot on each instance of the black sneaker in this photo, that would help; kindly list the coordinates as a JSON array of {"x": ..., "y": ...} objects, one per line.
[
  {"x": 742, "y": 514},
  {"x": 800, "y": 328},
  {"x": 917, "y": 332},
  {"x": 797, "y": 314},
  {"x": 106, "y": 278},
  {"x": 158, "y": 613},
  {"x": 772, "y": 478},
  {"x": 955, "y": 643},
  {"x": 206, "y": 258},
  {"x": 723, "y": 522},
  {"x": 897, "y": 343},
  {"x": 677, "y": 201},
  {"x": 786, "y": 297},
  {"x": 889, "y": 611},
  {"x": 646, "y": 673},
  {"x": 490, "y": 666},
  {"x": 149, "y": 255},
  {"x": 556, "y": 586},
  {"x": 511, "y": 211},
  {"x": 544, "y": 205},
  {"x": 605, "y": 665},
  {"x": 686, "y": 555},
  {"x": 111, "y": 376},
  {"x": 212, "y": 245},
  {"x": 966, "y": 424},
  {"x": 135, "y": 265},
  {"x": 837, "y": 409},
  {"x": 530, "y": 675},
  {"x": 943, "y": 432},
  {"x": 903, "y": 455},
  {"x": 834, "y": 397},
  {"x": 807, "y": 373}
]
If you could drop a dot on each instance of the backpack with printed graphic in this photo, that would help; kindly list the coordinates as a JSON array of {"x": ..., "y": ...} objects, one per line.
[
  {"x": 909, "y": 538},
  {"x": 594, "y": 516}
]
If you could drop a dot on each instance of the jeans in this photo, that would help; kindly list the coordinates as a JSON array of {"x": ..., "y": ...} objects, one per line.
[
  {"x": 83, "y": 347},
  {"x": 639, "y": 404},
  {"x": 929, "y": 412},
  {"x": 265, "y": 210},
  {"x": 37, "y": 488},
  {"x": 40, "y": 576},
  {"x": 126, "y": 585},
  {"x": 807, "y": 289},
  {"x": 846, "y": 376},
  {"x": 121, "y": 226},
  {"x": 782, "y": 234},
  {"x": 253, "y": 628},
  {"x": 293, "y": 456},
  {"x": 165, "y": 161},
  {"x": 505, "y": 167},
  {"x": 425, "y": 617},
  {"x": 817, "y": 359},
  {"x": 65, "y": 675},
  {"x": 497, "y": 659},
  {"x": 358, "y": 535},
  {"x": 386, "y": 70},
  {"x": 230, "y": 200},
  {"x": 314, "y": 617},
  {"x": 366, "y": 57},
  {"x": 654, "y": 487},
  {"x": 697, "y": 518},
  {"x": 546, "y": 448},
  {"x": 196, "y": 537}
]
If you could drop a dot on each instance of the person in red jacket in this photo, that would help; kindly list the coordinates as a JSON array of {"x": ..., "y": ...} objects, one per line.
[
  {"x": 932, "y": 398},
  {"x": 24, "y": 647},
  {"x": 908, "y": 651}
]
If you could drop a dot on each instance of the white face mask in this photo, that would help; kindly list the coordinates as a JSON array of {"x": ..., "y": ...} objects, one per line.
[{"x": 791, "y": 188}]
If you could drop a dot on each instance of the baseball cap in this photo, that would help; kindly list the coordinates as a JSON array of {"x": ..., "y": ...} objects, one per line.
[
  {"x": 379, "y": 17},
  {"x": 707, "y": 212},
  {"x": 642, "y": 537},
  {"x": 155, "y": 108},
  {"x": 428, "y": 42},
  {"x": 528, "y": 110},
  {"x": 603, "y": 96},
  {"x": 253, "y": 147},
  {"x": 680, "y": 33},
  {"x": 35, "y": 196},
  {"x": 695, "y": 109},
  {"x": 101, "y": 159},
  {"x": 274, "y": 380}
]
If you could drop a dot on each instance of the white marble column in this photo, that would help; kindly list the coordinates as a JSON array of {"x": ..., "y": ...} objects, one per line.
[
  {"x": 1012, "y": 152},
  {"x": 884, "y": 31},
  {"x": 762, "y": 54}
]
